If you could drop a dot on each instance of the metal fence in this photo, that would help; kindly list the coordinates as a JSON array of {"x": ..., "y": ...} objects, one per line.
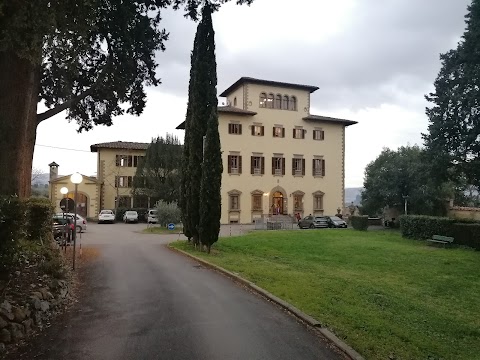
[{"x": 268, "y": 223}]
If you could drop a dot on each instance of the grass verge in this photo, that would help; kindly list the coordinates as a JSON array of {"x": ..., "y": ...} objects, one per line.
[{"x": 387, "y": 297}]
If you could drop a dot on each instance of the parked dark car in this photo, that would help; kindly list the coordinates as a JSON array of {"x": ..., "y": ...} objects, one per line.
[
  {"x": 313, "y": 222},
  {"x": 336, "y": 222},
  {"x": 60, "y": 226}
]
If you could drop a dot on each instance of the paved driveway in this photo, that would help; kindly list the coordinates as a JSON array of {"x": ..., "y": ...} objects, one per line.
[{"x": 142, "y": 301}]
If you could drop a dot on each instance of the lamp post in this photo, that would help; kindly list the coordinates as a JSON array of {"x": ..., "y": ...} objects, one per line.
[
  {"x": 64, "y": 192},
  {"x": 405, "y": 198},
  {"x": 75, "y": 179}
]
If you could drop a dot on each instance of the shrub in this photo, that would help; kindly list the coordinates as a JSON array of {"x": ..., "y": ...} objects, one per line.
[
  {"x": 39, "y": 214},
  {"x": 424, "y": 227},
  {"x": 168, "y": 213},
  {"x": 359, "y": 222},
  {"x": 467, "y": 234},
  {"x": 12, "y": 219}
]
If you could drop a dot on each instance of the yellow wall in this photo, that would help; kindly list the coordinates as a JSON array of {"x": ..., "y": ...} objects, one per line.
[
  {"x": 108, "y": 170},
  {"x": 332, "y": 150},
  {"x": 464, "y": 213}
]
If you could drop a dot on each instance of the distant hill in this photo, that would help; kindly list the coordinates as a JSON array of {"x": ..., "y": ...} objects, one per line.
[
  {"x": 41, "y": 179},
  {"x": 353, "y": 195}
]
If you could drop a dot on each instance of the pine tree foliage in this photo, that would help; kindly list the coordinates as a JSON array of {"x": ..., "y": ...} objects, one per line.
[
  {"x": 158, "y": 175},
  {"x": 453, "y": 138},
  {"x": 210, "y": 196}
]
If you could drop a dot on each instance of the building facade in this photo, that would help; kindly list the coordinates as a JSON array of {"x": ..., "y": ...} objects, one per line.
[
  {"x": 117, "y": 163},
  {"x": 278, "y": 158}
]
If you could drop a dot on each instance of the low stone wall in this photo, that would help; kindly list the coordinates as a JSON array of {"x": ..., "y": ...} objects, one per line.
[
  {"x": 469, "y": 213},
  {"x": 19, "y": 320}
]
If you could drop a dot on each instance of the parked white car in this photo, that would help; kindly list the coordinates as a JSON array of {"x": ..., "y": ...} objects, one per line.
[
  {"x": 106, "y": 216},
  {"x": 130, "y": 216},
  {"x": 81, "y": 221},
  {"x": 152, "y": 216}
]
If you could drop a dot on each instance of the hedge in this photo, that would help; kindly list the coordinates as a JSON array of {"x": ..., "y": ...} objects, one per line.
[
  {"x": 464, "y": 232},
  {"x": 359, "y": 222},
  {"x": 12, "y": 218},
  {"x": 423, "y": 227},
  {"x": 39, "y": 214},
  {"x": 467, "y": 234}
]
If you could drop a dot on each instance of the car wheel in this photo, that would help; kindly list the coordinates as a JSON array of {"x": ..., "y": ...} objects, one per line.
[
  {"x": 79, "y": 229},
  {"x": 312, "y": 226}
]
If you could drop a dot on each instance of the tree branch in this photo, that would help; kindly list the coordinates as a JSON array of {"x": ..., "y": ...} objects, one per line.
[{"x": 64, "y": 106}]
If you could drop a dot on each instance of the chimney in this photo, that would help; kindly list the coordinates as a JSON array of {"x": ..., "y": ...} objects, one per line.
[{"x": 53, "y": 170}]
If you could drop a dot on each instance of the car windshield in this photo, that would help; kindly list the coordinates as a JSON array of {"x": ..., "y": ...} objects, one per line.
[
  {"x": 320, "y": 218},
  {"x": 153, "y": 212},
  {"x": 106, "y": 212},
  {"x": 335, "y": 218}
]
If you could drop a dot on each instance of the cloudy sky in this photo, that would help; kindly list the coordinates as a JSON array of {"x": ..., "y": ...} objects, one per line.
[{"x": 372, "y": 59}]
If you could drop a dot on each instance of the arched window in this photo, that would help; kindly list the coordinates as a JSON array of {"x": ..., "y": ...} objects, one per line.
[
  {"x": 293, "y": 103},
  {"x": 235, "y": 101},
  {"x": 285, "y": 102},
  {"x": 270, "y": 101},
  {"x": 263, "y": 100},
  {"x": 278, "y": 101}
]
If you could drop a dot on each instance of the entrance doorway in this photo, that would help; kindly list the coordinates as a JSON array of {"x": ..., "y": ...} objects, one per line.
[
  {"x": 82, "y": 203},
  {"x": 277, "y": 204}
]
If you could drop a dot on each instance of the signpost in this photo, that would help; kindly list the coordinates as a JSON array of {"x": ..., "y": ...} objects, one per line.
[{"x": 171, "y": 226}]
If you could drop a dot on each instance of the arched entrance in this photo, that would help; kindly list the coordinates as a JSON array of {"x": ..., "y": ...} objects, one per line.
[
  {"x": 82, "y": 203},
  {"x": 278, "y": 201},
  {"x": 70, "y": 205}
]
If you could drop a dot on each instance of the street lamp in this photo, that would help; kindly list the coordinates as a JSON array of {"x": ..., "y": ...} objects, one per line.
[
  {"x": 64, "y": 192},
  {"x": 75, "y": 179}
]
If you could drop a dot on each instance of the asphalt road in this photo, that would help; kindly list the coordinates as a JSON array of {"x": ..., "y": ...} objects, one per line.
[{"x": 142, "y": 301}]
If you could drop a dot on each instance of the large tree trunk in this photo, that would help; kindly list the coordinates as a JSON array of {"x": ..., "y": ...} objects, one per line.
[{"x": 19, "y": 87}]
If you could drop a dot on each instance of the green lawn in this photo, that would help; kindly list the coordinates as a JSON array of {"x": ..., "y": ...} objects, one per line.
[
  {"x": 384, "y": 295},
  {"x": 161, "y": 230}
]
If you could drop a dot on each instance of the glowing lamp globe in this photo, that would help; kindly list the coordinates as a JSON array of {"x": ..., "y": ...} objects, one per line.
[{"x": 76, "y": 178}]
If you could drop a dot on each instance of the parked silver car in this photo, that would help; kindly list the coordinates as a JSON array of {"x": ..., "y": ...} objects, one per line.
[
  {"x": 130, "y": 216},
  {"x": 81, "y": 221},
  {"x": 313, "y": 222}
]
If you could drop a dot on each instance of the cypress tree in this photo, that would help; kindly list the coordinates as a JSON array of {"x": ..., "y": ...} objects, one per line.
[
  {"x": 185, "y": 179},
  {"x": 199, "y": 114},
  {"x": 454, "y": 130},
  {"x": 210, "y": 197}
]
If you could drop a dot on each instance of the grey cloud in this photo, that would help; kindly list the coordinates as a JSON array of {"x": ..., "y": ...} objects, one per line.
[{"x": 387, "y": 47}]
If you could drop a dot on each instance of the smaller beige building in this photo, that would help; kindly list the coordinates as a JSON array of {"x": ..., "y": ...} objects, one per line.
[{"x": 88, "y": 193}]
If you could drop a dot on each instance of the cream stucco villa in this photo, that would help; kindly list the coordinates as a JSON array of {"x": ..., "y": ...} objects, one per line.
[{"x": 278, "y": 158}]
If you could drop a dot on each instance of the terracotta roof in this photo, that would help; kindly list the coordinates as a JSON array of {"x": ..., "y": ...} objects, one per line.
[
  {"x": 226, "y": 110},
  {"x": 119, "y": 145},
  {"x": 249, "y": 80},
  {"x": 329, "y": 119}
]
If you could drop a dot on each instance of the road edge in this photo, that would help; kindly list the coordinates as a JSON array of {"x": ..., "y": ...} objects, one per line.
[{"x": 340, "y": 344}]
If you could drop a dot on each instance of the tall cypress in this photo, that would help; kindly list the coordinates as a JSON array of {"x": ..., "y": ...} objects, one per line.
[
  {"x": 185, "y": 179},
  {"x": 210, "y": 196},
  {"x": 199, "y": 115}
]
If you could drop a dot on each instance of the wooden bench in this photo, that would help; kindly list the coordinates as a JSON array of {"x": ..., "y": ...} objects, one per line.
[{"x": 445, "y": 240}]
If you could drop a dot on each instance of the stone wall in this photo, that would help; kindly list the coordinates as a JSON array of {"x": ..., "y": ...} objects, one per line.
[{"x": 19, "y": 320}]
